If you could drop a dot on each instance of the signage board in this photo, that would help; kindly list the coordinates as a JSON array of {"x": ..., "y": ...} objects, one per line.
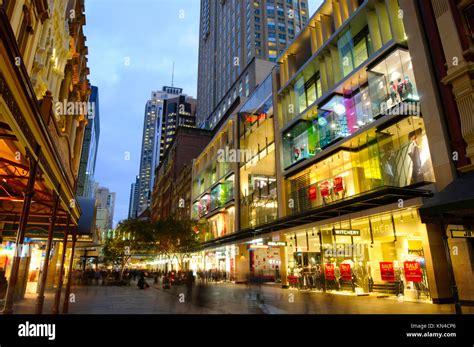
[{"x": 346, "y": 232}]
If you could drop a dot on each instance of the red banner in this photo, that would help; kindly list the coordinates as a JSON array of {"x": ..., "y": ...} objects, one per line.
[
  {"x": 312, "y": 193},
  {"x": 346, "y": 272},
  {"x": 324, "y": 188},
  {"x": 329, "y": 271},
  {"x": 387, "y": 272},
  {"x": 412, "y": 271},
  {"x": 338, "y": 184}
]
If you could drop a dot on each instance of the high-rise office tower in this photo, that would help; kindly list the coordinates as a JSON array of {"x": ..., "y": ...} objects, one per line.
[
  {"x": 163, "y": 112},
  {"x": 232, "y": 34},
  {"x": 134, "y": 194},
  {"x": 105, "y": 209},
  {"x": 85, "y": 180},
  {"x": 179, "y": 111}
]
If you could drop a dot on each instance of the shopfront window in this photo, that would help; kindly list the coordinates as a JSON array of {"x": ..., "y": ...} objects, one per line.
[
  {"x": 332, "y": 121},
  {"x": 381, "y": 254},
  {"x": 392, "y": 81},
  {"x": 394, "y": 156},
  {"x": 404, "y": 153},
  {"x": 299, "y": 142},
  {"x": 307, "y": 91}
]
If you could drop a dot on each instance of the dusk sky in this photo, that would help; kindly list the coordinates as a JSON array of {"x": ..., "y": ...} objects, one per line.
[{"x": 132, "y": 46}]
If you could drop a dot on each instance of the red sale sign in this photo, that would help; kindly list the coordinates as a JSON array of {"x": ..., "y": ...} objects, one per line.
[
  {"x": 312, "y": 193},
  {"x": 386, "y": 271},
  {"x": 324, "y": 188},
  {"x": 346, "y": 272},
  {"x": 329, "y": 271},
  {"x": 338, "y": 184},
  {"x": 412, "y": 271}
]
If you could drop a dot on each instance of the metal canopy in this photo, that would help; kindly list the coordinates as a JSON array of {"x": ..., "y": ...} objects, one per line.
[
  {"x": 377, "y": 197},
  {"x": 453, "y": 205}
]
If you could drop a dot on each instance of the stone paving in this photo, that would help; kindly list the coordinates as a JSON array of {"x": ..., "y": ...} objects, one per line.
[{"x": 226, "y": 298}]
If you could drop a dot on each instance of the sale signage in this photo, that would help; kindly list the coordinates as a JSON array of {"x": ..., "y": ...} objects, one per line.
[
  {"x": 412, "y": 271},
  {"x": 345, "y": 272},
  {"x": 324, "y": 188},
  {"x": 312, "y": 193},
  {"x": 338, "y": 184},
  {"x": 387, "y": 271},
  {"x": 329, "y": 272}
]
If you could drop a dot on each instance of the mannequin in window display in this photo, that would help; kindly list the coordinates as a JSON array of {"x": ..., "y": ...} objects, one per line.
[
  {"x": 408, "y": 87},
  {"x": 414, "y": 151},
  {"x": 393, "y": 92},
  {"x": 400, "y": 289},
  {"x": 401, "y": 89},
  {"x": 337, "y": 276},
  {"x": 388, "y": 161}
]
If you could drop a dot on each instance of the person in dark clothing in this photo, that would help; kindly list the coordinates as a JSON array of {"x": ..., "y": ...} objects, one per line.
[{"x": 142, "y": 283}]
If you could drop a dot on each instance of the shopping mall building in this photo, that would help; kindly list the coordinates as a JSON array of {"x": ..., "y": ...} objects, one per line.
[{"x": 337, "y": 150}]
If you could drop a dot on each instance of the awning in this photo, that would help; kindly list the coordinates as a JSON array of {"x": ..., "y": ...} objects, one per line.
[
  {"x": 86, "y": 224},
  {"x": 453, "y": 205}
]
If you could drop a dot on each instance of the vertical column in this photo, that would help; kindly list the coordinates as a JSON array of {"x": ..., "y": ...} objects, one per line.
[
  {"x": 344, "y": 10},
  {"x": 395, "y": 16},
  {"x": 314, "y": 42},
  {"x": 284, "y": 264},
  {"x": 374, "y": 30},
  {"x": 42, "y": 283},
  {"x": 319, "y": 33},
  {"x": 329, "y": 69},
  {"x": 336, "y": 63},
  {"x": 384, "y": 23},
  {"x": 57, "y": 296},
  {"x": 20, "y": 235},
  {"x": 326, "y": 27},
  {"x": 336, "y": 13},
  {"x": 69, "y": 275},
  {"x": 323, "y": 74},
  {"x": 291, "y": 65}
]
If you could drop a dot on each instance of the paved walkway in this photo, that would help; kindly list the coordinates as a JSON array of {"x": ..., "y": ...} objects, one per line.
[{"x": 226, "y": 298}]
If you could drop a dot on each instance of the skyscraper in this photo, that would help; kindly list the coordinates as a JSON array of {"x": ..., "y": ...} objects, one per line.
[
  {"x": 105, "y": 209},
  {"x": 133, "y": 204},
  {"x": 232, "y": 34},
  {"x": 90, "y": 145},
  {"x": 163, "y": 112}
]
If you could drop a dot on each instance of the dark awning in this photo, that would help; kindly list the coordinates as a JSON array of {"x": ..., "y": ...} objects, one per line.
[
  {"x": 453, "y": 205},
  {"x": 86, "y": 224}
]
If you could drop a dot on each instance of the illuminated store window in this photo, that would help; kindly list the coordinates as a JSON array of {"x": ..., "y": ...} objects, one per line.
[
  {"x": 299, "y": 142},
  {"x": 397, "y": 156},
  {"x": 392, "y": 81},
  {"x": 384, "y": 254},
  {"x": 332, "y": 121}
]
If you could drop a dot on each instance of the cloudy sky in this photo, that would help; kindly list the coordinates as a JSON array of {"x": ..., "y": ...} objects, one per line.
[{"x": 132, "y": 46}]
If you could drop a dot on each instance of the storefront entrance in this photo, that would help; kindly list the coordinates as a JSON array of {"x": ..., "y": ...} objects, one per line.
[{"x": 379, "y": 255}]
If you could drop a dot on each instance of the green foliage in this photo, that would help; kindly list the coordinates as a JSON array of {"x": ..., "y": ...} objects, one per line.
[{"x": 132, "y": 237}]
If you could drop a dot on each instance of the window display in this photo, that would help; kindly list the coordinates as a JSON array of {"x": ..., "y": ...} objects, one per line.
[
  {"x": 383, "y": 256},
  {"x": 299, "y": 142},
  {"x": 391, "y": 82}
]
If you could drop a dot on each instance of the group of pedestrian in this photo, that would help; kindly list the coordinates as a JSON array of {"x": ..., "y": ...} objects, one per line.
[{"x": 213, "y": 275}]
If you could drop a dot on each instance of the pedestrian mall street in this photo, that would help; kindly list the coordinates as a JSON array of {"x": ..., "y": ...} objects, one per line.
[{"x": 227, "y": 298}]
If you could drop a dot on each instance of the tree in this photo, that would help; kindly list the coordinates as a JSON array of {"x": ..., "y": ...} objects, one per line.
[
  {"x": 176, "y": 238},
  {"x": 131, "y": 238}
]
